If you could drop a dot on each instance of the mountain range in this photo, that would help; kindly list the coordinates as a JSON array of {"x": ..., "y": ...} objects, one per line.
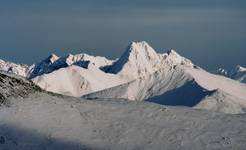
[
  {"x": 238, "y": 73},
  {"x": 142, "y": 100},
  {"x": 139, "y": 74}
]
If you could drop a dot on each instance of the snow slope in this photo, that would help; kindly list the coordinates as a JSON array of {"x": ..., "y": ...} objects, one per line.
[
  {"x": 176, "y": 81},
  {"x": 180, "y": 86},
  {"x": 42, "y": 121},
  {"x": 76, "y": 81},
  {"x": 238, "y": 73}
]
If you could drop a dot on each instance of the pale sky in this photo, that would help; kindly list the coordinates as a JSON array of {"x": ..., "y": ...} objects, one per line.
[{"x": 212, "y": 33}]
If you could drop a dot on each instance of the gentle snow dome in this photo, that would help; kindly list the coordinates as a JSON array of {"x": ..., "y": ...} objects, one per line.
[{"x": 212, "y": 33}]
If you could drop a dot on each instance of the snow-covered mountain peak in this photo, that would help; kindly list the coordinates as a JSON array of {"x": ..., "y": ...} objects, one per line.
[
  {"x": 237, "y": 73},
  {"x": 222, "y": 71},
  {"x": 69, "y": 59},
  {"x": 138, "y": 59},
  {"x": 54, "y": 62},
  {"x": 139, "y": 50},
  {"x": 240, "y": 68},
  {"x": 53, "y": 57},
  {"x": 172, "y": 58},
  {"x": 141, "y": 59},
  {"x": 173, "y": 52},
  {"x": 19, "y": 69}
]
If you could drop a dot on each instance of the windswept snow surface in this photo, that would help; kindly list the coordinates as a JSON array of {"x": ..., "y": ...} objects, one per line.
[{"x": 42, "y": 121}]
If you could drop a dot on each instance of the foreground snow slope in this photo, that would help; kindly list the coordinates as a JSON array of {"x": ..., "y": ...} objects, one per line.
[
  {"x": 15, "y": 86},
  {"x": 42, "y": 121}
]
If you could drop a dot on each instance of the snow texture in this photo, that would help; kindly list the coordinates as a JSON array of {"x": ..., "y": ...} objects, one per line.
[{"x": 42, "y": 121}]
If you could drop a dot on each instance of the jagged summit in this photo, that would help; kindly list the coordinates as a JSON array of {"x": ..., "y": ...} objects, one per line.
[
  {"x": 138, "y": 50},
  {"x": 140, "y": 59},
  {"x": 172, "y": 52},
  {"x": 240, "y": 68},
  {"x": 173, "y": 58},
  {"x": 53, "y": 62},
  {"x": 53, "y": 57}
]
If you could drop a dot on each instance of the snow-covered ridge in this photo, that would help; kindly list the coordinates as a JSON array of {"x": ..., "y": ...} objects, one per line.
[
  {"x": 19, "y": 69},
  {"x": 54, "y": 62},
  {"x": 238, "y": 73},
  {"x": 138, "y": 60}
]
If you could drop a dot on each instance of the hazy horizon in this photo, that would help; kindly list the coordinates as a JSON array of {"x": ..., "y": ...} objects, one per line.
[{"x": 212, "y": 34}]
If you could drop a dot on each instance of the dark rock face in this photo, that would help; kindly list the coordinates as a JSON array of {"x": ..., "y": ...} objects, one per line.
[{"x": 15, "y": 86}]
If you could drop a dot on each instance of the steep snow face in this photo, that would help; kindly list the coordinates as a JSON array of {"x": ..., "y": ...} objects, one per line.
[
  {"x": 238, "y": 73},
  {"x": 42, "y": 121},
  {"x": 54, "y": 62},
  {"x": 10, "y": 67},
  {"x": 147, "y": 86},
  {"x": 137, "y": 60},
  {"x": 77, "y": 81},
  {"x": 141, "y": 59}
]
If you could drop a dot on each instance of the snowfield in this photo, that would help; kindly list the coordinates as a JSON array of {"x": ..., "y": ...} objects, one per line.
[{"x": 42, "y": 121}]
